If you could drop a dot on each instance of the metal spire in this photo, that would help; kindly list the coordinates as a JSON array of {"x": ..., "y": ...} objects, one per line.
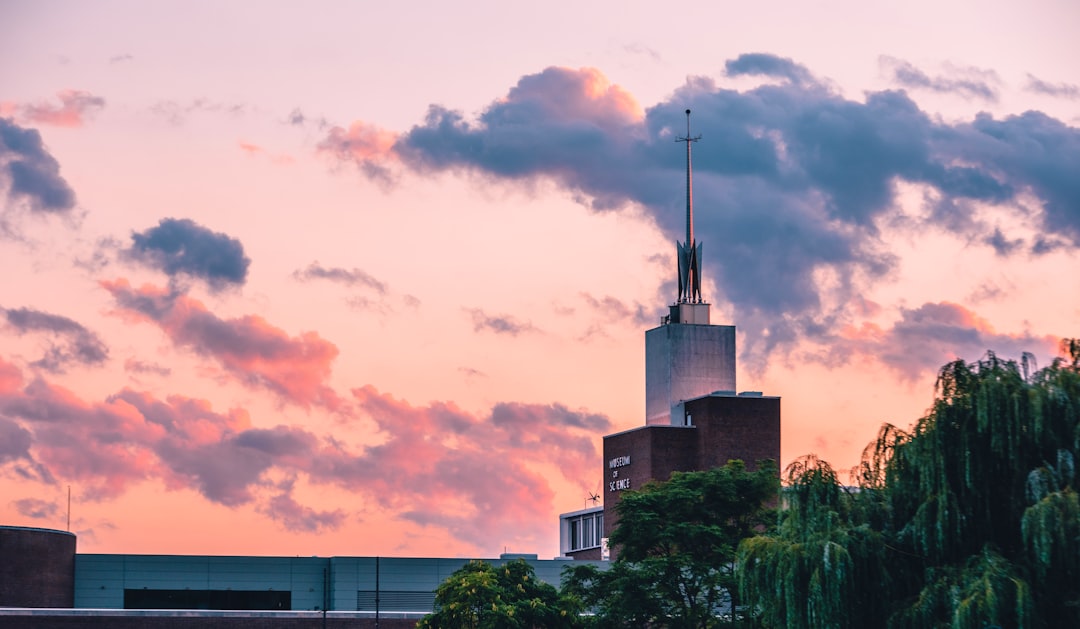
[{"x": 690, "y": 251}]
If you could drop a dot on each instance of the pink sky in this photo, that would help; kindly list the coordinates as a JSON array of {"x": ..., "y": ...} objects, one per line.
[{"x": 348, "y": 281}]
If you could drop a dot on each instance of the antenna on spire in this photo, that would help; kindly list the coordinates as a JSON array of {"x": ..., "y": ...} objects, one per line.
[{"x": 690, "y": 251}]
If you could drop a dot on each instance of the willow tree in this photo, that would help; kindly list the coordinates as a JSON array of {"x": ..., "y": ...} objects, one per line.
[
  {"x": 972, "y": 516},
  {"x": 823, "y": 566}
]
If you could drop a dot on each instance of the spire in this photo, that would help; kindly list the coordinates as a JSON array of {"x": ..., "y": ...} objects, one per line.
[{"x": 690, "y": 251}]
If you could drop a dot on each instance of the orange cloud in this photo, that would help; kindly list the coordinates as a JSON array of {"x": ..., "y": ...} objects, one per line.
[
  {"x": 584, "y": 94},
  {"x": 361, "y": 142}
]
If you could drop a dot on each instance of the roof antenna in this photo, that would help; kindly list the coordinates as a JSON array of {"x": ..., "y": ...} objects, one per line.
[{"x": 690, "y": 251}]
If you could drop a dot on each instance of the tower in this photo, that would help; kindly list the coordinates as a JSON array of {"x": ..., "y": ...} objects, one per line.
[
  {"x": 694, "y": 420},
  {"x": 687, "y": 357}
]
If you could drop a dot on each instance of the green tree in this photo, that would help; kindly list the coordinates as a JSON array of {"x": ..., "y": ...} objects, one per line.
[
  {"x": 676, "y": 544},
  {"x": 968, "y": 521},
  {"x": 483, "y": 596}
]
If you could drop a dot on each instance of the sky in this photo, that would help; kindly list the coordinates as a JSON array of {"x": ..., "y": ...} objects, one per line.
[{"x": 355, "y": 278}]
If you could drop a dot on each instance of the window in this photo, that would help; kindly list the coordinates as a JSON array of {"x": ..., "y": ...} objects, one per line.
[{"x": 585, "y": 531}]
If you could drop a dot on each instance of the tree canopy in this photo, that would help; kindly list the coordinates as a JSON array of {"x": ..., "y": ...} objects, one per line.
[
  {"x": 676, "y": 544},
  {"x": 483, "y": 596},
  {"x": 970, "y": 520}
]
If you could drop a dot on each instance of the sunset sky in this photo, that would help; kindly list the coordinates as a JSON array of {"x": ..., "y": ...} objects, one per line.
[{"x": 358, "y": 278}]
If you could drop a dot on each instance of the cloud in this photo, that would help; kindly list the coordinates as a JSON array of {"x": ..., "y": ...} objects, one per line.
[
  {"x": 499, "y": 324},
  {"x": 253, "y": 150},
  {"x": 367, "y": 146},
  {"x": 296, "y": 517},
  {"x": 927, "y": 337},
  {"x": 471, "y": 372},
  {"x": 764, "y": 64},
  {"x": 74, "y": 108},
  {"x": 256, "y": 353},
  {"x": 791, "y": 180},
  {"x": 971, "y": 82},
  {"x": 37, "y": 509},
  {"x": 348, "y": 277},
  {"x": 298, "y": 118},
  {"x": 133, "y": 365},
  {"x": 613, "y": 308},
  {"x": 29, "y": 173},
  {"x": 177, "y": 113},
  {"x": 182, "y": 247},
  {"x": 121, "y": 58},
  {"x": 481, "y": 477},
  {"x": 1058, "y": 90},
  {"x": 77, "y": 344}
]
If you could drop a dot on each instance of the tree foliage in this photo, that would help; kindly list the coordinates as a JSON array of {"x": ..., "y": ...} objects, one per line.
[
  {"x": 969, "y": 520},
  {"x": 483, "y": 596},
  {"x": 676, "y": 543}
]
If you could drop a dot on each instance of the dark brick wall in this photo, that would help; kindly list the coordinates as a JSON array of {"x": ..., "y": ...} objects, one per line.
[
  {"x": 724, "y": 428},
  {"x": 37, "y": 567},
  {"x": 744, "y": 428},
  {"x": 590, "y": 554},
  {"x": 655, "y": 452}
]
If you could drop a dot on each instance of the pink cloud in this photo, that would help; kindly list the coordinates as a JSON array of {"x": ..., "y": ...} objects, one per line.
[
  {"x": 367, "y": 146},
  {"x": 584, "y": 94},
  {"x": 479, "y": 477},
  {"x": 473, "y": 469},
  {"x": 254, "y": 150},
  {"x": 74, "y": 108},
  {"x": 255, "y": 352}
]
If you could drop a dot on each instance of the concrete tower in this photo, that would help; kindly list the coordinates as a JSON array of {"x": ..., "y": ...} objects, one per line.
[{"x": 686, "y": 357}]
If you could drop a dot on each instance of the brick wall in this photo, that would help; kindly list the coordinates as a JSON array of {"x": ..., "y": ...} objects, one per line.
[{"x": 724, "y": 427}]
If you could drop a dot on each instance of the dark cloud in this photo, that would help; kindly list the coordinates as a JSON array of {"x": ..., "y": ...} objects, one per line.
[
  {"x": 29, "y": 173},
  {"x": 183, "y": 247},
  {"x": 933, "y": 334},
  {"x": 971, "y": 82},
  {"x": 296, "y": 517},
  {"x": 77, "y": 344},
  {"x": 610, "y": 308},
  {"x": 74, "y": 108},
  {"x": 255, "y": 352},
  {"x": 764, "y": 64},
  {"x": 14, "y": 441},
  {"x": 298, "y": 118},
  {"x": 348, "y": 277},
  {"x": 37, "y": 509},
  {"x": 791, "y": 179},
  {"x": 499, "y": 324},
  {"x": 1058, "y": 90}
]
